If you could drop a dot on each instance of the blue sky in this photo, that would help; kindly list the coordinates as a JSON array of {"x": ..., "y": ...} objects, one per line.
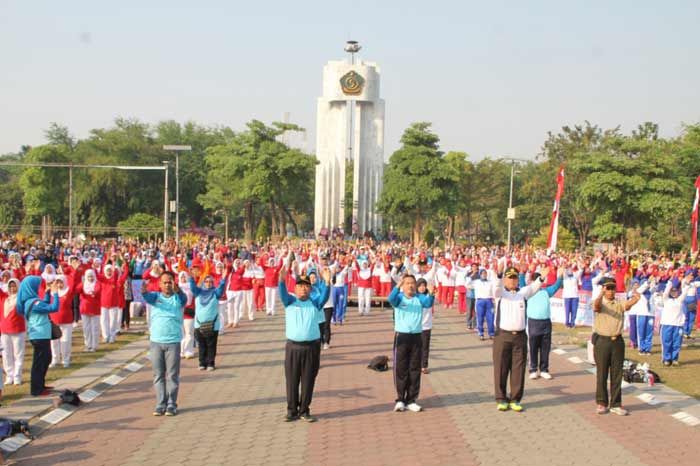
[{"x": 492, "y": 77}]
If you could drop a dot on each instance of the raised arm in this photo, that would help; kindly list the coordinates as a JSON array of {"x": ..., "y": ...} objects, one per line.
[
  {"x": 552, "y": 289},
  {"x": 394, "y": 297},
  {"x": 196, "y": 291},
  {"x": 285, "y": 297},
  {"x": 426, "y": 300},
  {"x": 221, "y": 288},
  {"x": 632, "y": 301}
]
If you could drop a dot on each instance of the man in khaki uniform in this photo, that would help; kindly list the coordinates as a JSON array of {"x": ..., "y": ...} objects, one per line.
[{"x": 609, "y": 347}]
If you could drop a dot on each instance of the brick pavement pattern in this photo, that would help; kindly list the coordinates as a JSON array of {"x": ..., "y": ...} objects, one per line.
[{"x": 234, "y": 415}]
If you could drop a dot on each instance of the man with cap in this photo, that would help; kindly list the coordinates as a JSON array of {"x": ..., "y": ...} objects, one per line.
[
  {"x": 510, "y": 340},
  {"x": 609, "y": 346},
  {"x": 302, "y": 316}
]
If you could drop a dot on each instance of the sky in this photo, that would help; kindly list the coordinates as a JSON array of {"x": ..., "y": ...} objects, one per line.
[{"x": 492, "y": 77}]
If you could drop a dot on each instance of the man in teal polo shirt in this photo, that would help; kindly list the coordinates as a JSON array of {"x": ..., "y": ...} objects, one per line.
[
  {"x": 408, "y": 329},
  {"x": 302, "y": 356},
  {"x": 166, "y": 334}
]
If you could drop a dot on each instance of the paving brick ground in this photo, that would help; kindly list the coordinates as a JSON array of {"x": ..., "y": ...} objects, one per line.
[{"x": 233, "y": 415}]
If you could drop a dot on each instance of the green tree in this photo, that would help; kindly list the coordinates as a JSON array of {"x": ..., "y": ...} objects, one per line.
[
  {"x": 45, "y": 190},
  {"x": 417, "y": 180},
  {"x": 256, "y": 169},
  {"x": 141, "y": 226}
]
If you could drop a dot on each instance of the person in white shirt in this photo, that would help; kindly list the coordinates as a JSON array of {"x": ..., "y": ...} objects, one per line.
[
  {"x": 510, "y": 343},
  {"x": 426, "y": 322},
  {"x": 672, "y": 321},
  {"x": 572, "y": 280},
  {"x": 483, "y": 293},
  {"x": 644, "y": 320}
]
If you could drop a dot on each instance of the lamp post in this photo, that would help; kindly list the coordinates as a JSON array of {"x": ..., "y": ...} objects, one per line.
[
  {"x": 177, "y": 149},
  {"x": 511, "y": 212},
  {"x": 165, "y": 203}
]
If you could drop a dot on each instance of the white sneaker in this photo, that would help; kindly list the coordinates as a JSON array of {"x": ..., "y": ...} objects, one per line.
[
  {"x": 9, "y": 381},
  {"x": 415, "y": 407},
  {"x": 66, "y": 365},
  {"x": 533, "y": 375},
  {"x": 546, "y": 375},
  {"x": 399, "y": 407},
  {"x": 17, "y": 382},
  {"x": 326, "y": 346},
  {"x": 52, "y": 365}
]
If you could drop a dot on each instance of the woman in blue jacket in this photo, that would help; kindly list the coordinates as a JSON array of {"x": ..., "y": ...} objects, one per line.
[
  {"x": 206, "y": 309},
  {"x": 37, "y": 311}
]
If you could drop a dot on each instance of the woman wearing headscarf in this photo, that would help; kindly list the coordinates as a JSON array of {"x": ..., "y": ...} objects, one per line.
[
  {"x": 89, "y": 291},
  {"x": 206, "y": 309},
  {"x": 14, "y": 332},
  {"x": 36, "y": 311},
  {"x": 187, "y": 349},
  {"x": 61, "y": 348},
  {"x": 112, "y": 300},
  {"x": 47, "y": 278}
]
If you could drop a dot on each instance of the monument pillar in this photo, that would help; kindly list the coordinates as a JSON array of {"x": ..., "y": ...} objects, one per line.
[{"x": 350, "y": 125}]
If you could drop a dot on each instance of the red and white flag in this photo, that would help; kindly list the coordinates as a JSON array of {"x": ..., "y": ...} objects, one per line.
[
  {"x": 554, "y": 225},
  {"x": 694, "y": 218}
]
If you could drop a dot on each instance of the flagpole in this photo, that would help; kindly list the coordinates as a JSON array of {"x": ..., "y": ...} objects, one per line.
[
  {"x": 554, "y": 224},
  {"x": 694, "y": 218}
]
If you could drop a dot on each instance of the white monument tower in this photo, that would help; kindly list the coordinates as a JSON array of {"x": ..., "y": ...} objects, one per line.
[{"x": 350, "y": 126}]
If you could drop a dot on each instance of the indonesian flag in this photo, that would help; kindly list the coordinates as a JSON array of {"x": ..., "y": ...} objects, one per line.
[
  {"x": 554, "y": 225},
  {"x": 694, "y": 218}
]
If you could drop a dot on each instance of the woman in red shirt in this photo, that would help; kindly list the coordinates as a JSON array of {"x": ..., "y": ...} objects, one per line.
[
  {"x": 61, "y": 348},
  {"x": 89, "y": 291},
  {"x": 112, "y": 300},
  {"x": 14, "y": 333}
]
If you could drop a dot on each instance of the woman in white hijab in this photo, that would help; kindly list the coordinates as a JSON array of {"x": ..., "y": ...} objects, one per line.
[
  {"x": 183, "y": 281},
  {"x": 14, "y": 331},
  {"x": 90, "y": 311}
]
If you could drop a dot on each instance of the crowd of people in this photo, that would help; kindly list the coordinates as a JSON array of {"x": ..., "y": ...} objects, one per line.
[{"x": 191, "y": 294}]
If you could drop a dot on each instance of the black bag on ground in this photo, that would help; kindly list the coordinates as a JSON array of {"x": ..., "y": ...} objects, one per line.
[
  {"x": 70, "y": 397},
  {"x": 379, "y": 363},
  {"x": 10, "y": 427}
]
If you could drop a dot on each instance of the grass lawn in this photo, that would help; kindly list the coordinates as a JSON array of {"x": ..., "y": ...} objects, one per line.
[
  {"x": 685, "y": 378},
  {"x": 79, "y": 359}
]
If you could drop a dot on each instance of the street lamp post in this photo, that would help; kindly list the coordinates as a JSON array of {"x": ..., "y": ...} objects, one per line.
[
  {"x": 510, "y": 215},
  {"x": 165, "y": 203},
  {"x": 177, "y": 149}
]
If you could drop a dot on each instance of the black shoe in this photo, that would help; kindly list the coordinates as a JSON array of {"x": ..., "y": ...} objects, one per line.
[
  {"x": 171, "y": 411},
  {"x": 290, "y": 418},
  {"x": 307, "y": 417}
]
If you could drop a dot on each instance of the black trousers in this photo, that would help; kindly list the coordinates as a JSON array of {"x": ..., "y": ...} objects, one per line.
[
  {"x": 509, "y": 358},
  {"x": 301, "y": 363},
  {"x": 471, "y": 312},
  {"x": 325, "y": 327},
  {"x": 540, "y": 338},
  {"x": 609, "y": 355},
  {"x": 207, "y": 348},
  {"x": 40, "y": 365},
  {"x": 76, "y": 308},
  {"x": 425, "y": 348},
  {"x": 126, "y": 314},
  {"x": 408, "y": 349}
]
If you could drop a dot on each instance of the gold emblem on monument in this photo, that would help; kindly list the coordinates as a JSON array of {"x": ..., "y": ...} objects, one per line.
[{"x": 352, "y": 83}]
